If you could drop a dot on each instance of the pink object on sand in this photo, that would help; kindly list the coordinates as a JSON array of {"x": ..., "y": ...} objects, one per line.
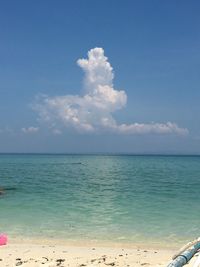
[{"x": 3, "y": 239}]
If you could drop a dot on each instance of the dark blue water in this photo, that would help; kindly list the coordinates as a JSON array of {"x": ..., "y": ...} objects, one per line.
[{"x": 105, "y": 198}]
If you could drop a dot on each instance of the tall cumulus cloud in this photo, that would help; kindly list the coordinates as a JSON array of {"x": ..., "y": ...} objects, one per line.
[{"x": 93, "y": 112}]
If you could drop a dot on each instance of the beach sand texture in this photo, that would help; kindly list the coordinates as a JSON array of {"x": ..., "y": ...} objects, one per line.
[{"x": 52, "y": 256}]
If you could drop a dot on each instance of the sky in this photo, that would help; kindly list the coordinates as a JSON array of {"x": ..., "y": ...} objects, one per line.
[{"x": 100, "y": 76}]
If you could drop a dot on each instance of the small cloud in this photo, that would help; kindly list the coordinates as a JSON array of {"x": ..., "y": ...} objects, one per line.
[
  {"x": 93, "y": 112},
  {"x": 57, "y": 131},
  {"x": 30, "y": 130},
  {"x": 157, "y": 128}
]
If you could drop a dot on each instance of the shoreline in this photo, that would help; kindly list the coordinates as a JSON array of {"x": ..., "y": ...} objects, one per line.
[{"x": 149, "y": 244}]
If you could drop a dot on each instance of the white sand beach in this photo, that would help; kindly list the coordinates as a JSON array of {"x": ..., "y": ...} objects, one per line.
[{"x": 37, "y": 255}]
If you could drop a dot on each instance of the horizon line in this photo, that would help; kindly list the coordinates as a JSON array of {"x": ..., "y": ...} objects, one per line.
[{"x": 102, "y": 153}]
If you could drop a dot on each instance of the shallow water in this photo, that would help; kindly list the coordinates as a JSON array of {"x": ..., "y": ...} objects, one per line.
[{"x": 114, "y": 198}]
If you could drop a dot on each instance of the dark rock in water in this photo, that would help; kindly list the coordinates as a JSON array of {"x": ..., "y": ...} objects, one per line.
[
  {"x": 10, "y": 188},
  {"x": 2, "y": 191}
]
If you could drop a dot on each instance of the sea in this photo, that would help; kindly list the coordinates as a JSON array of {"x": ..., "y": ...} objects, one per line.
[{"x": 132, "y": 199}]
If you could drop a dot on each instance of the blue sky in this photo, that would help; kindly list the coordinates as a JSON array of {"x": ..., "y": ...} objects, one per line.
[{"x": 45, "y": 96}]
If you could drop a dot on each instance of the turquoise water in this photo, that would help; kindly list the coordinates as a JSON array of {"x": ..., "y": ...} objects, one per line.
[{"x": 103, "y": 198}]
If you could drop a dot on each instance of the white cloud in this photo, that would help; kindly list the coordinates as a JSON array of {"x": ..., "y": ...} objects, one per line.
[
  {"x": 30, "y": 130},
  {"x": 158, "y": 128},
  {"x": 93, "y": 112},
  {"x": 57, "y": 132}
]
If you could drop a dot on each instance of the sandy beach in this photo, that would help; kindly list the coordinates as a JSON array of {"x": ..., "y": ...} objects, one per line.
[{"x": 36, "y": 255}]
